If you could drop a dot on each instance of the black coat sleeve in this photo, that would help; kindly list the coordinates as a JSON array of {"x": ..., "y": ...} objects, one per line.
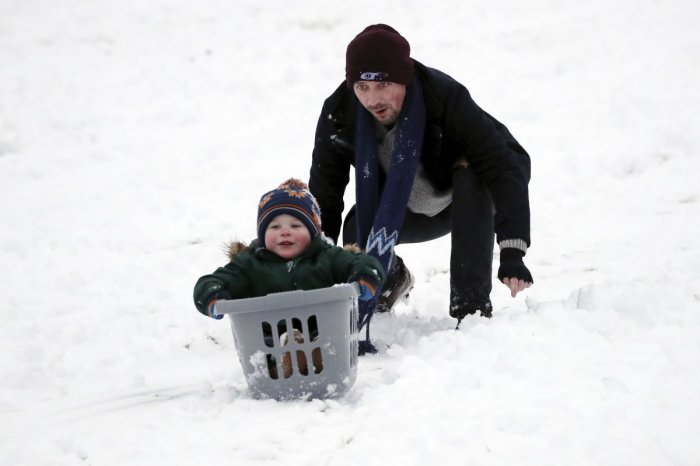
[
  {"x": 498, "y": 160},
  {"x": 330, "y": 168}
]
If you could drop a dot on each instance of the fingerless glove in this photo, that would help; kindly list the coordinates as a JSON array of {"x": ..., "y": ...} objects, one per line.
[{"x": 512, "y": 265}]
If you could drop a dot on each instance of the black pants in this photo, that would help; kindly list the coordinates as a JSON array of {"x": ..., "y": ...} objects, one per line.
[{"x": 470, "y": 220}]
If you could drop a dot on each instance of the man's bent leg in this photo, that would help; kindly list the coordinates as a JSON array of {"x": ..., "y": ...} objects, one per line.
[{"x": 472, "y": 245}]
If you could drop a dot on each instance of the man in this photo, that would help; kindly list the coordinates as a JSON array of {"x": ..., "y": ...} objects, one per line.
[{"x": 428, "y": 161}]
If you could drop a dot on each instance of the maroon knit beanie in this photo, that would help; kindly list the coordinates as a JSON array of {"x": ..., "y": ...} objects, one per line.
[{"x": 379, "y": 53}]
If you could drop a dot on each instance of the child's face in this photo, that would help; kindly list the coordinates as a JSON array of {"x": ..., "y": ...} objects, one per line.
[{"x": 287, "y": 236}]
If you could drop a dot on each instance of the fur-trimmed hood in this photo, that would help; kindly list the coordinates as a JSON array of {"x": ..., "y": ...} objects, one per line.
[{"x": 234, "y": 248}]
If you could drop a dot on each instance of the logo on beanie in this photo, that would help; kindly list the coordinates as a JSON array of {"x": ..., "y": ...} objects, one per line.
[{"x": 373, "y": 76}]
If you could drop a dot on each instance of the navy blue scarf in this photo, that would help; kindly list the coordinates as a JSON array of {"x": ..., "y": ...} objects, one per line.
[{"x": 380, "y": 215}]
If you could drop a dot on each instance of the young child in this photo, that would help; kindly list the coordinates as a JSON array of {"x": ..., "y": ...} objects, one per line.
[{"x": 290, "y": 253}]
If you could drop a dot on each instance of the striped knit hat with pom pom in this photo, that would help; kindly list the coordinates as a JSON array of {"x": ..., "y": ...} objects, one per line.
[{"x": 293, "y": 198}]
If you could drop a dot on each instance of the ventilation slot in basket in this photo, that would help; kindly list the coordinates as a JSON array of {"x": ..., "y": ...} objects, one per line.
[
  {"x": 290, "y": 353},
  {"x": 353, "y": 341}
]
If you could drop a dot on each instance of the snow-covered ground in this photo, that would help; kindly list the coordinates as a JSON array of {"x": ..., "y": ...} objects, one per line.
[{"x": 136, "y": 138}]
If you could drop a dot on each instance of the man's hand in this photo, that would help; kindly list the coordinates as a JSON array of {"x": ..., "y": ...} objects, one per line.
[
  {"x": 515, "y": 285},
  {"x": 512, "y": 272}
]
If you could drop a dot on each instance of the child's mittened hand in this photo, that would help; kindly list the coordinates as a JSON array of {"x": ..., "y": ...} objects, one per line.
[
  {"x": 211, "y": 310},
  {"x": 211, "y": 307},
  {"x": 367, "y": 301},
  {"x": 367, "y": 290}
]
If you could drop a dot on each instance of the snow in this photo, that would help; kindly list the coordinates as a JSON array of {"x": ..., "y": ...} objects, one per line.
[{"x": 136, "y": 138}]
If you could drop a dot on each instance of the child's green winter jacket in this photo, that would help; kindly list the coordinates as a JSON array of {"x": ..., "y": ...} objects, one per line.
[{"x": 255, "y": 271}]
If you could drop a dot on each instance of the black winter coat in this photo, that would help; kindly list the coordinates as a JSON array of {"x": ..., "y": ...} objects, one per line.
[{"x": 456, "y": 127}]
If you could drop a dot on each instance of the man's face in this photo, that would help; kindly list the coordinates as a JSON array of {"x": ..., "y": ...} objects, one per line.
[{"x": 383, "y": 99}]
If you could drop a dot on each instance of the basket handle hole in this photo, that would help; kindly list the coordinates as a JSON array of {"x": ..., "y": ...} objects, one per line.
[
  {"x": 287, "y": 364},
  {"x": 317, "y": 359},
  {"x": 353, "y": 319},
  {"x": 282, "y": 331},
  {"x": 267, "y": 334},
  {"x": 301, "y": 363},
  {"x": 272, "y": 367},
  {"x": 313, "y": 327},
  {"x": 298, "y": 331}
]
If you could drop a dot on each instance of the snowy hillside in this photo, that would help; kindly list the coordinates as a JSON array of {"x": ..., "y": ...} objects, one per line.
[{"x": 136, "y": 138}]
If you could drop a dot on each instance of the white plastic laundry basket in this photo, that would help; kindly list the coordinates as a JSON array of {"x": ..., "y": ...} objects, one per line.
[{"x": 297, "y": 344}]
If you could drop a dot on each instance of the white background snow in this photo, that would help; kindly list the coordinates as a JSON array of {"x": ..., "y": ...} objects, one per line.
[{"x": 136, "y": 138}]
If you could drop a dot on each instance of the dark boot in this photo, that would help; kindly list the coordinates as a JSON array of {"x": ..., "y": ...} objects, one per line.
[
  {"x": 399, "y": 281},
  {"x": 460, "y": 310},
  {"x": 397, "y": 286}
]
